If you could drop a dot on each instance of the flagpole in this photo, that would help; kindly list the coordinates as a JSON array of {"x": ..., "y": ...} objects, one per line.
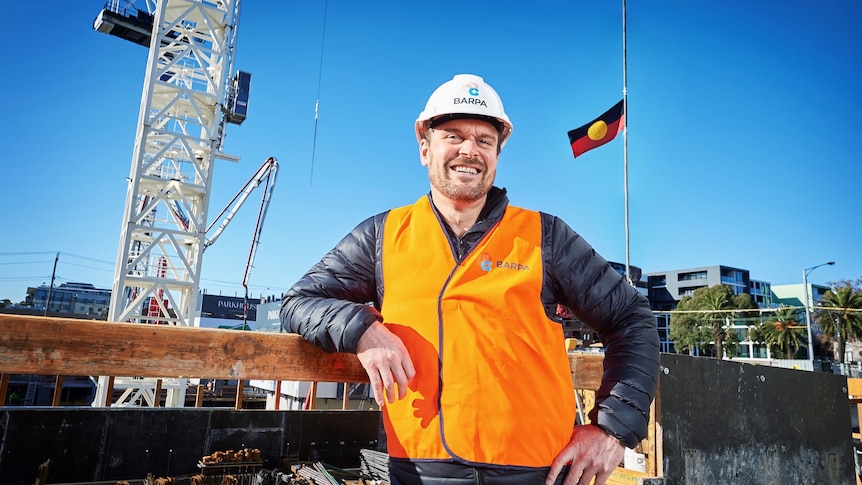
[{"x": 626, "y": 148}]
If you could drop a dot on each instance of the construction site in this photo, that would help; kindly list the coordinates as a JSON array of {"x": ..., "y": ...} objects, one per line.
[
  {"x": 766, "y": 430},
  {"x": 150, "y": 396}
]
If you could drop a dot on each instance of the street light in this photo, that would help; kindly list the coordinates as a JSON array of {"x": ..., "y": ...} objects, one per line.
[{"x": 805, "y": 273}]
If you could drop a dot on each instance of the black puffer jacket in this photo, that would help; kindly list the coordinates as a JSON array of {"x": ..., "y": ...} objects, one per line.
[{"x": 337, "y": 300}]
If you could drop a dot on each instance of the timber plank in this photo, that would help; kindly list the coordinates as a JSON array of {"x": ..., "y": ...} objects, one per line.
[
  {"x": 587, "y": 370},
  {"x": 58, "y": 346}
]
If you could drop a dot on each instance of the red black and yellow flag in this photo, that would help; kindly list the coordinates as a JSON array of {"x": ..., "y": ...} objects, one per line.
[{"x": 599, "y": 131}]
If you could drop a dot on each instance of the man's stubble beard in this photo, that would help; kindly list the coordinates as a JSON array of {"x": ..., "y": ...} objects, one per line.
[{"x": 440, "y": 180}]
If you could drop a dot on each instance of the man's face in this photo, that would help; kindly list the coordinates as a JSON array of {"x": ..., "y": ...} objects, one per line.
[{"x": 461, "y": 157}]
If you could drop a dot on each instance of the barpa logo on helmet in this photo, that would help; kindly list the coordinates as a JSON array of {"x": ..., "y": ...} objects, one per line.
[{"x": 471, "y": 89}]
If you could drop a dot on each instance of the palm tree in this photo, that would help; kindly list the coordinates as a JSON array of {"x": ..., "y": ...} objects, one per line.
[
  {"x": 841, "y": 316},
  {"x": 703, "y": 317},
  {"x": 714, "y": 303},
  {"x": 783, "y": 330}
]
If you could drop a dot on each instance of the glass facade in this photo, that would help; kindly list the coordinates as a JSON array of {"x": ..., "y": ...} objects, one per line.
[
  {"x": 79, "y": 298},
  {"x": 692, "y": 276},
  {"x": 735, "y": 279},
  {"x": 761, "y": 293}
]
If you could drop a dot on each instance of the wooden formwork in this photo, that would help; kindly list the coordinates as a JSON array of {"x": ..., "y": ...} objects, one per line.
[
  {"x": 694, "y": 387},
  {"x": 58, "y": 346},
  {"x": 587, "y": 373}
]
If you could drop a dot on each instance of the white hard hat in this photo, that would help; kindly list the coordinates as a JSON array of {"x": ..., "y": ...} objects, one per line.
[{"x": 465, "y": 96}]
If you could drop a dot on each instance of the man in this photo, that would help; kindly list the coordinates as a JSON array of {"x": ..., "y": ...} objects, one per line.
[{"x": 448, "y": 304}]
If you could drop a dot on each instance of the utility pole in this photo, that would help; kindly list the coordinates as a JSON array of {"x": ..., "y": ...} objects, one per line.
[
  {"x": 51, "y": 288},
  {"x": 807, "y": 304}
]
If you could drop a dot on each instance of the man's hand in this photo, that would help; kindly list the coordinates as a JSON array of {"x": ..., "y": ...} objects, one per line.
[
  {"x": 385, "y": 359},
  {"x": 592, "y": 452}
]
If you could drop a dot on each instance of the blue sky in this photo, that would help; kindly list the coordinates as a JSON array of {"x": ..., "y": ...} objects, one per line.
[{"x": 742, "y": 136}]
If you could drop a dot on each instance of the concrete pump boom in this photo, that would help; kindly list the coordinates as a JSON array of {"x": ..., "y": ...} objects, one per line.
[{"x": 268, "y": 172}]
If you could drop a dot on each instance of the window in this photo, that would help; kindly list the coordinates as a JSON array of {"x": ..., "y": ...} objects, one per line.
[
  {"x": 759, "y": 351},
  {"x": 658, "y": 280},
  {"x": 694, "y": 275},
  {"x": 688, "y": 290},
  {"x": 732, "y": 277}
]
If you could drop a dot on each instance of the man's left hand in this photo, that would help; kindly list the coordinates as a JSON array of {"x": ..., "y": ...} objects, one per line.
[{"x": 592, "y": 452}]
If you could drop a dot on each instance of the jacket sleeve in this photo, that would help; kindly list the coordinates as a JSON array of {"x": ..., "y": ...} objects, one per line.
[
  {"x": 603, "y": 300},
  {"x": 334, "y": 302}
]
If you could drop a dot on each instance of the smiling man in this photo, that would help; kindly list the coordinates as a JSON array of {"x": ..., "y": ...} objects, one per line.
[{"x": 460, "y": 335}]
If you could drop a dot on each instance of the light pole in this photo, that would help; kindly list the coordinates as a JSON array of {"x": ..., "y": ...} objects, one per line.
[{"x": 807, "y": 304}]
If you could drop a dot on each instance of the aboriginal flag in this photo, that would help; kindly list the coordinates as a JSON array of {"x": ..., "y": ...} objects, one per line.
[{"x": 599, "y": 131}]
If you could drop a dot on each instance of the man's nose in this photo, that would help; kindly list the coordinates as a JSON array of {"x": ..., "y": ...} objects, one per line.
[{"x": 469, "y": 148}]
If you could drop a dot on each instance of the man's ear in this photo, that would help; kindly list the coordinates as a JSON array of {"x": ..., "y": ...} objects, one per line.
[{"x": 424, "y": 157}]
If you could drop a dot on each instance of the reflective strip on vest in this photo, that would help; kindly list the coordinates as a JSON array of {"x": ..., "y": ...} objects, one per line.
[{"x": 493, "y": 383}]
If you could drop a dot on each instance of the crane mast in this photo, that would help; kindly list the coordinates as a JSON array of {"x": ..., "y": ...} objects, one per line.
[
  {"x": 179, "y": 135},
  {"x": 188, "y": 97}
]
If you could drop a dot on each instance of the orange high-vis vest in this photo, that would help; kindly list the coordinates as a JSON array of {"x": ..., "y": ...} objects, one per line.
[{"x": 493, "y": 383}]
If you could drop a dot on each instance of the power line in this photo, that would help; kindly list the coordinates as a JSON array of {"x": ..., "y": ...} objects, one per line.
[
  {"x": 64, "y": 253},
  {"x": 760, "y": 310},
  {"x": 26, "y": 253},
  {"x": 233, "y": 284},
  {"x": 317, "y": 103},
  {"x": 22, "y": 278},
  {"x": 26, "y": 262},
  {"x": 88, "y": 267}
]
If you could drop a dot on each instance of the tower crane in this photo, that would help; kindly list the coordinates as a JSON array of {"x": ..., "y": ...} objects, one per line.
[{"x": 190, "y": 94}]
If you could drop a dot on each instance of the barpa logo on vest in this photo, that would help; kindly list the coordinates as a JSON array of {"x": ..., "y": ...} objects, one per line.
[{"x": 487, "y": 263}]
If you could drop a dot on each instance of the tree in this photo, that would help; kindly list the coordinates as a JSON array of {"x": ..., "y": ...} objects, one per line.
[
  {"x": 714, "y": 302},
  {"x": 704, "y": 317},
  {"x": 731, "y": 343},
  {"x": 686, "y": 332},
  {"x": 783, "y": 331},
  {"x": 855, "y": 284},
  {"x": 840, "y": 316}
]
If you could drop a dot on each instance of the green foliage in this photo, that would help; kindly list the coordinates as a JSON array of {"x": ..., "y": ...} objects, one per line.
[
  {"x": 855, "y": 284},
  {"x": 714, "y": 307},
  {"x": 731, "y": 343},
  {"x": 686, "y": 332},
  {"x": 782, "y": 332},
  {"x": 839, "y": 316}
]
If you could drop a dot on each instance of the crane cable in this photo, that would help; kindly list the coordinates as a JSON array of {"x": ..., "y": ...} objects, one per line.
[{"x": 317, "y": 102}]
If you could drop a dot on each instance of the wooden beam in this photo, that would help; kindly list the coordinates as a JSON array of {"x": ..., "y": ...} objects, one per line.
[
  {"x": 4, "y": 387},
  {"x": 58, "y": 346},
  {"x": 58, "y": 391},
  {"x": 239, "y": 395},
  {"x": 587, "y": 370},
  {"x": 157, "y": 394},
  {"x": 311, "y": 397},
  {"x": 854, "y": 387},
  {"x": 109, "y": 391}
]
